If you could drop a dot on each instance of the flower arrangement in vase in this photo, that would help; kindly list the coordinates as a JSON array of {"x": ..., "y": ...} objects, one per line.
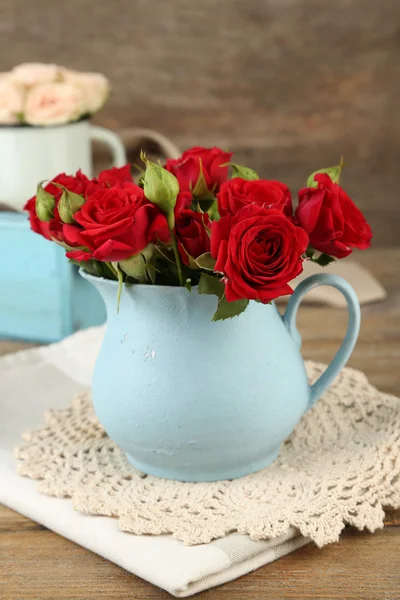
[
  {"x": 202, "y": 239},
  {"x": 44, "y": 125},
  {"x": 47, "y": 94},
  {"x": 189, "y": 224}
]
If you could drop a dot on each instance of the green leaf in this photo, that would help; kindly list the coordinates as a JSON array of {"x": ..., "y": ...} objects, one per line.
[
  {"x": 213, "y": 212},
  {"x": 205, "y": 261},
  {"x": 227, "y": 310},
  {"x": 209, "y": 284},
  {"x": 201, "y": 189},
  {"x": 333, "y": 172},
  {"x": 86, "y": 266},
  {"x": 151, "y": 273},
  {"x": 323, "y": 260},
  {"x": 205, "y": 203},
  {"x": 192, "y": 263},
  {"x": 96, "y": 268},
  {"x": 166, "y": 253},
  {"x": 137, "y": 266},
  {"x": 191, "y": 260},
  {"x": 310, "y": 252},
  {"x": 172, "y": 274},
  {"x": 45, "y": 204},
  {"x": 243, "y": 172}
]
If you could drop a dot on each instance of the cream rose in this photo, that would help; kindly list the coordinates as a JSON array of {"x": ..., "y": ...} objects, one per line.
[
  {"x": 11, "y": 101},
  {"x": 30, "y": 74},
  {"x": 53, "y": 103},
  {"x": 95, "y": 88}
]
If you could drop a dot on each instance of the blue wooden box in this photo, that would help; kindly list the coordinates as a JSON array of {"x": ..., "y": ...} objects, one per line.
[{"x": 42, "y": 296}]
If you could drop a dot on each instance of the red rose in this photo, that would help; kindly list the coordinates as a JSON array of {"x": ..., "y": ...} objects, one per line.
[
  {"x": 258, "y": 250},
  {"x": 111, "y": 177},
  {"x": 79, "y": 184},
  {"x": 116, "y": 223},
  {"x": 192, "y": 235},
  {"x": 333, "y": 222},
  {"x": 183, "y": 201},
  {"x": 188, "y": 167},
  {"x": 236, "y": 193}
]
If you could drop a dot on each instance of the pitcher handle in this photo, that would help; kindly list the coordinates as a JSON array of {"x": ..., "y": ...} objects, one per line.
[
  {"x": 113, "y": 141},
  {"x": 353, "y": 327}
]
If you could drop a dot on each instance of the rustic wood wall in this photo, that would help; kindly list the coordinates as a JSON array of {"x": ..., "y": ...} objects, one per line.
[{"x": 287, "y": 84}]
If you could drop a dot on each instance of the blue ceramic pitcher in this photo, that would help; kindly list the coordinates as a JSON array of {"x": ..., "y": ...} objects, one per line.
[{"x": 195, "y": 400}]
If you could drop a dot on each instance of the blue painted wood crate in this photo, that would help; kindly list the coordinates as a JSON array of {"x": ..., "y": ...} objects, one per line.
[{"x": 42, "y": 296}]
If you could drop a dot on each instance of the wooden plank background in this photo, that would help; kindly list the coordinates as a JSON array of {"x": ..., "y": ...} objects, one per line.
[{"x": 289, "y": 85}]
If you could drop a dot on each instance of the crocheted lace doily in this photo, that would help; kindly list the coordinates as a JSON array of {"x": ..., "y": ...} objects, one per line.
[{"x": 340, "y": 466}]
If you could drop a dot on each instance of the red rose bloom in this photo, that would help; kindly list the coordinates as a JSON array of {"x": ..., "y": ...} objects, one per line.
[
  {"x": 79, "y": 184},
  {"x": 333, "y": 222},
  {"x": 188, "y": 167},
  {"x": 183, "y": 201},
  {"x": 258, "y": 250},
  {"x": 192, "y": 235},
  {"x": 116, "y": 223},
  {"x": 111, "y": 177},
  {"x": 237, "y": 192}
]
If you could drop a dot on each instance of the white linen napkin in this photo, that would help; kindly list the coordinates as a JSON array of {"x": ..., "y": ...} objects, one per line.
[{"x": 34, "y": 380}]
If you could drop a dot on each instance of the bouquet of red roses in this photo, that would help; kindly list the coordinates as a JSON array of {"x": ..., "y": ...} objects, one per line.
[{"x": 200, "y": 220}]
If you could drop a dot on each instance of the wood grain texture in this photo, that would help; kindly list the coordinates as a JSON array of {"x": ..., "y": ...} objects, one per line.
[
  {"x": 289, "y": 85},
  {"x": 38, "y": 564},
  {"x": 9, "y": 346}
]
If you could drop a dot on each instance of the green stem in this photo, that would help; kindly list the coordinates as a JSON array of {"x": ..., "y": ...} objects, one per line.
[
  {"x": 177, "y": 259},
  {"x": 120, "y": 278}
]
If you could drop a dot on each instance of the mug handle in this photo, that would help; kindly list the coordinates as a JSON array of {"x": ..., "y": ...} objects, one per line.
[
  {"x": 353, "y": 327},
  {"x": 113, "y": 141}
]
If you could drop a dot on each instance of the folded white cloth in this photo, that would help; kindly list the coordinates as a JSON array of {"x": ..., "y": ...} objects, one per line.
[{"x": 37, "y": 379}]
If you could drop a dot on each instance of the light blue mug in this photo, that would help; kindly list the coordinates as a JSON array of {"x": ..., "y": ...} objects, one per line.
[{"x": 194, "y": 400}]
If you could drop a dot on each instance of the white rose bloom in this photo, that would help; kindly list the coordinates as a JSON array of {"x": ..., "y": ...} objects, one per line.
[
  {"x": 53, "y": 103},
  {"x": 30, "y": 74},
  {"x": 95, "y": 88},
  {"x": 11, "y": 101}
]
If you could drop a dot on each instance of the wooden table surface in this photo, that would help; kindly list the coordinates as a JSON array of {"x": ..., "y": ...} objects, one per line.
[{"x": 35, "y": 563}]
